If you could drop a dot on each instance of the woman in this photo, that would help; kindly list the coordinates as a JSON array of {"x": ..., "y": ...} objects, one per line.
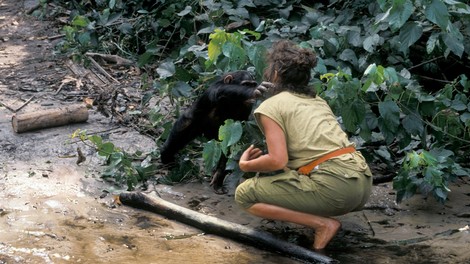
[{"x": 301, "y": 128}]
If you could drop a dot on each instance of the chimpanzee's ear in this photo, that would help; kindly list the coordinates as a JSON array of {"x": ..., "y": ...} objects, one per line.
[{"x": 228, "y": 79}]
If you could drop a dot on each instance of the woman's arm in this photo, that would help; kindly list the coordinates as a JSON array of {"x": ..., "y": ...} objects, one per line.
[{"x": 253, "y": 160}]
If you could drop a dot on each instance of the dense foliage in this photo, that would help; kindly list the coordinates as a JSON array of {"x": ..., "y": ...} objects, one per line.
[{"x": 394, "y": 71}]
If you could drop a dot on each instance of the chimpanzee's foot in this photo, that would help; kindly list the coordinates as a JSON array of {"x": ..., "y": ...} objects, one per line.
[
  {"x": 217, "y": 182},
  {"x": 220, "y": 189},
  {"x": 218, "y": 186}
]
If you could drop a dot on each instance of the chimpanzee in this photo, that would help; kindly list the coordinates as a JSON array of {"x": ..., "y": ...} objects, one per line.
[{"x": 231, "y": 97}]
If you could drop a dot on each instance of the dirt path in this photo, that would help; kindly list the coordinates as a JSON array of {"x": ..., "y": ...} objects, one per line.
[{"x": 54, "y": 211}]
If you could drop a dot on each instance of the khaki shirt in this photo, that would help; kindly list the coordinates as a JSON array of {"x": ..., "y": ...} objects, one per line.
[{"x": 310, "y": 127}]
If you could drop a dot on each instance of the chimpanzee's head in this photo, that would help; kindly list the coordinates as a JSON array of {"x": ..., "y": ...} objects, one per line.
[{"x": 244, "y": 78}]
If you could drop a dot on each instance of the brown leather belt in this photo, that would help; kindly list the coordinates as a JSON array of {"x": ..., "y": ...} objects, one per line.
[{"x": 305, "y": 170}]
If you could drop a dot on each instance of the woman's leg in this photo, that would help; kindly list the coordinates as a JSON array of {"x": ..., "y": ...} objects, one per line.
[{"x": 325, "y": 228}]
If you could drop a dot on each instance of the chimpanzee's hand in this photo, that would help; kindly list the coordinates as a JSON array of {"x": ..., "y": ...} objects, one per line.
[{"x": 263, "y": 88}]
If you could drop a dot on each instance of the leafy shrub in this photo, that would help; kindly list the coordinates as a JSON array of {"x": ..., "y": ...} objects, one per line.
[{"x": 395, "y": 71}]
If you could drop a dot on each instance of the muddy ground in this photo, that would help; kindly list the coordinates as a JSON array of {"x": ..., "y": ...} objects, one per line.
[{"x": 55, "y": 211}]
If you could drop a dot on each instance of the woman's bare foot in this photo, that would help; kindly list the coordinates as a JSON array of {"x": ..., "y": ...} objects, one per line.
[{"x": 324, "y": 234}]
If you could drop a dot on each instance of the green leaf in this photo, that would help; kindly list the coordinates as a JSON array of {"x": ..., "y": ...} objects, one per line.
[
  {"x": 433, "y": 40},
  {"x": 80, "y": 21},
  {"x": 97, "y": 140},
  {"x": 413, "y": 124},
  {"x": 166, "y": 69},
  {"x": 349, "y": 55},
  {"x": 437, "y": 13},
  {"x": 409, "y": 34},
  {"x": 236, "y": 54},
  {"x": 454, "y": 43},
  {"x": 257, "y": 55},
  {"x": 404, "y": 185},
  {"x": 106, "y": 149},
  {"x": 398, "y": 14},
  {"x": 390, "y": 112},
  {"x": 217, "y": 40},
  {"x": 230, "y": 133},
  {"x": 181, "y": 89},
  {"x": 186, "y": 11},
  {"x": 211, "y": 155},
  {"x": 429, "y": 158},
  {"x": 414, "y": 160},
  {"x": 371, "y": 42},
  {"x": 465, "y": 118},
  {"x": 390, "y": 75},
  {"x": 145, "y": 58},
  {"x": 353, "y": 113},
  {"x": 458, "y": 104},
  {"x": 440, "y": 194},
  {"x": 84, "y": 38}
]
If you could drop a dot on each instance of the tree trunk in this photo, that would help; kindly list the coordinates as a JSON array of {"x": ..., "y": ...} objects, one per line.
[
  {"x": 49, "y": 118},
  {"x": 213, "y": 225}
]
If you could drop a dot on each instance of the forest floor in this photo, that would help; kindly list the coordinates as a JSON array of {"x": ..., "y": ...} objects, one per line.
[{"x": 55, "y": 211}]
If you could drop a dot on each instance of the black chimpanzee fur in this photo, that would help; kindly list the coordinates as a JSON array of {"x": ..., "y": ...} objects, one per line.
[{"x": 230, "y": 97}]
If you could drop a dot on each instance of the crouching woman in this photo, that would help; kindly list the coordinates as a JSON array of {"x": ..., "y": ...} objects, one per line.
[{"x": 322, "y": 174}]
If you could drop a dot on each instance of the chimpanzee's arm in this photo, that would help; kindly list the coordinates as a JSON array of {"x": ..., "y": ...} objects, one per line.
[{"x": 186, "y": 128}]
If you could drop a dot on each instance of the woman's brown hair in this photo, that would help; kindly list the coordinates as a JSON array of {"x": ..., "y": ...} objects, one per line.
[{"x": 289, "y": 68}]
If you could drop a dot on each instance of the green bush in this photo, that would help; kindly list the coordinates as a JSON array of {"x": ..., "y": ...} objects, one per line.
[{"x": 395, "y": 71}]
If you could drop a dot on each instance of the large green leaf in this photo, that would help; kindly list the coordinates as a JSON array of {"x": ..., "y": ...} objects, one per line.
[
  {"x": 413, "y": 124},
  {"x": 257, "y": 54},
  {"x": 349, "y": 55},
  {"x": 398, "y": 13},
  {"x": 454, "y": 42},
  {"x": 236, "y": 54},
  {"x": 214, "y": 49},
  {"x": 211, "y": 155},
  {"x": 437, "y": 13},
  {"x": 181, "y": 89},
  {"x": 230, "y": 133},
  {"x": 353, "y": 113},
  {"x": 409, "y": 34},
  {"x": 390, "y": 112},
  {"x": 166, "y": 69}
]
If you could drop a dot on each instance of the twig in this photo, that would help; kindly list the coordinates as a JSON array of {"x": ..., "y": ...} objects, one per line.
[
  {"x": 102, "y": 70},
  {"x": 434, "y": 79},
  {"x": 111, "y": 58},
  {"x": 425, "y": 62},
  {"x": 55, "y": 37},
  {"x": 368, "y": 222},
  {"x": 7, "y": 107},
  {"x": 25, "y": 103},
  {"x": 19, "y": 108}
]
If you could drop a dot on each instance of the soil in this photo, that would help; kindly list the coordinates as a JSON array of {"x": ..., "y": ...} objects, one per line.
[{"x": 55, "y": 211}]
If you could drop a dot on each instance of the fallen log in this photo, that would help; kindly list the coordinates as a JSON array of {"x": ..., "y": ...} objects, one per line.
[
  {"x": 216, "y": 226},
  {"x": 49, "y": 118}
]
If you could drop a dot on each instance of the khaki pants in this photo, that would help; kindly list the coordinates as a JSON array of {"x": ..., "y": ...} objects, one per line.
[{"x": 334, "y": 189}]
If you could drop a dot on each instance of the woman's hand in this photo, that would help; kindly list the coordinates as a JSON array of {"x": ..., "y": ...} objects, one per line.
[
  {"x": 250, "y": 153},
  {"x": 253, "y": 159}
]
